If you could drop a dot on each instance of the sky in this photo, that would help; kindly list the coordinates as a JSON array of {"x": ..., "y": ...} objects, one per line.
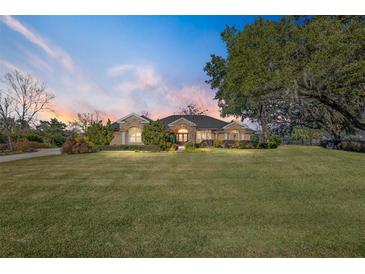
[{"x": 117, "y": 64}]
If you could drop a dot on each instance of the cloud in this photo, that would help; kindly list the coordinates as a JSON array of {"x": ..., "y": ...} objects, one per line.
[
  {"x": 8, "y": 65},
  {"x": 120, "y": 69},
  {"x": 135, "y": 77},
  {"x": 145, "y": 89},
  {"x": 51, "y": 50}
]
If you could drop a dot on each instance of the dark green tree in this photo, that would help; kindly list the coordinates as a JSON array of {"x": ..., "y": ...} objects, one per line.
[
  {"x": 155, "y": 133},
  {"x": 54, "y": 131},
  {"x": 275, "y": 69},
  {"x": 100, "y": 134}
]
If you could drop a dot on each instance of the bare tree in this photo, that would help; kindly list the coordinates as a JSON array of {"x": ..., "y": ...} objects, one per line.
[
  {"x": 145, "y": 113},
  {"x": 30, "y": 96},
  {"x": 7, "y": 122},
  {"x": 85, "y": 119},
  {"x": 21, "y": 98},
  {"x": 192, "y": 109}
]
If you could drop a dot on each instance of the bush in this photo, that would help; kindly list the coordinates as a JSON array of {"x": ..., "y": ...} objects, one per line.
[
  {"x": 217, "y": 143},
  {"x": 250, "y": 144},
  {"x": 155, "y": 133},
  {"x": 100, "y": 134},
  {"x": 230, "y": 144},
  {"x": 272, "y": 145},
  {"x": 242, "y": 144},
  {"x": 23, "y": 146},
  {"x": 152, "y": 148},
  {"x": 274, "y": 141},
  {"x": 357, "y": 146},
  {"x": 31, "y": 136},
  {"x": 189, "y": 145},
  {"x": 77, "y": 144},
  {"x": 263, "y": 145},
  {"x": 3, "y": 147},
  {"x": 255, "y": 139},
  {"x": 335, "y": 144},
  {"x": 27, "y": 146},
  {"x": 174, "y": 147},
  {"x": 205, "y": 143},
  {"x": 235, "y": 144}
]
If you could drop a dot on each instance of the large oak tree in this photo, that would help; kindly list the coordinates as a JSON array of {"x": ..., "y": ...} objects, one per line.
[{"x": 274, "y": 69}]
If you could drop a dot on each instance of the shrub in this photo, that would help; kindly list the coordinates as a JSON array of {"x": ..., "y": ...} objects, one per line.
[
  {"x": 23, "y": 146},
  {"x": 217, "y": 143},
  {"x": 152, "y": 148},
  {"x": 272, "y": 145},
  {"x": 255, "y": 139},
  {"x": 357, "y": 146},
  {"x": 188, "y": 145},
  {"x": 31, "y": 136},
  {"x": 235, "y": 144},
  {"x": 155, "y": 133},
  {"x": 28, "y": 146},
  {"x": 174, "y": 147},
  {"x": 335, "y": 144},
  {"x": 230, "y": 144},
  {"x": 3, "y": 147},
  {"x": 250, "y": 144},
  {"x": 100, "y": 134},
  {"x": 274, "y": 141},
  {"x": 77, "y": 144},
  {"x": 263, "y": 145},
  {"x": 205, "y": 143},
  {"x": 242, "y": 144}
]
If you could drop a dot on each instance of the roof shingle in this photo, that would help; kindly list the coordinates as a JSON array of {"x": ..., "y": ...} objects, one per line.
[{"x": 201, "y": 121}]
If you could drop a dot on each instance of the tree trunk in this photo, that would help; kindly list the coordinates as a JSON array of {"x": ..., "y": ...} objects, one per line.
[
  {"x": 10, "y": 143},
  {"x": 263, "y": 136}
]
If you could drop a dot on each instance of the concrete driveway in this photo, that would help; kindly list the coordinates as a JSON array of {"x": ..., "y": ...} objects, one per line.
[{"x": 39, "y": 153}]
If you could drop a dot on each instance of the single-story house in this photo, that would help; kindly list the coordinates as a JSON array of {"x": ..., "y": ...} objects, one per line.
[{"x": 194, "y": 128}]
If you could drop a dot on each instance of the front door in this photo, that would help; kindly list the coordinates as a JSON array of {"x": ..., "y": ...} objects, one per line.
[
  {"x": 182, "y": 135},
  {"x": 182, "y": 138}
]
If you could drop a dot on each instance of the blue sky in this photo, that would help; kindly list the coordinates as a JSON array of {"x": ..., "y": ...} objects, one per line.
[{"x": 117, "y": 64}]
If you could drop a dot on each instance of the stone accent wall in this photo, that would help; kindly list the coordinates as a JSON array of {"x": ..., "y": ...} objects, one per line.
[
  {"x": 243, "y": 134},
  {"x": 121, "y": 137}
]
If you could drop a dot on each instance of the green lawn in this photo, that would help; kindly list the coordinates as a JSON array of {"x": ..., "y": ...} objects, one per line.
[{"x": 291, "y": 202}]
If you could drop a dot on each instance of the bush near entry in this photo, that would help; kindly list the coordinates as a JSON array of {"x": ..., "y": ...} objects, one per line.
[{"x": 189, "y": 145}]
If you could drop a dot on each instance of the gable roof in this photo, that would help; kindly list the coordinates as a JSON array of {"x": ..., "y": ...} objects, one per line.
[
  {"x": 182, "y": 119},
  {"x": 201, "y": 121},
  {"x": 239, "y": 124},
  {"x": 142, "y": 117}
]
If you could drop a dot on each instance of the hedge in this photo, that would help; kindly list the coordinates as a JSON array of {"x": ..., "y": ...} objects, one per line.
[
  {"x": 348, "y": 145},
  {"x": 128, "y": 148}
]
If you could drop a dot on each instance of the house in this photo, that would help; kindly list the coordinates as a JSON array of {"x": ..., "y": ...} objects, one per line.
[{"x": 194, "y": 128}]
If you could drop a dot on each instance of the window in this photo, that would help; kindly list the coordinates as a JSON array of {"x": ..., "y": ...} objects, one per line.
[
  {"x": 203, "y": 135},
  {"x": 234, "y": 135},
  {"x": 135, "y": 135},
  {"x": 182, "y": 130}
]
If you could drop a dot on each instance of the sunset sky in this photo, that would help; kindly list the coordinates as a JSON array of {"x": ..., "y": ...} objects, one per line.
[{"x": 117, "y": 64}]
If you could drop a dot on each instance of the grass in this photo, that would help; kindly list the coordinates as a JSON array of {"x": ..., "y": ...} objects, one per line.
[{"x": 295, "y": 201}]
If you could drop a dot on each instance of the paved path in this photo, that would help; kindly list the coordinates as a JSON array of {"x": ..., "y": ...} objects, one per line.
[
  {"x": 180, "y": 149},
  {"x": 39, "y": 153}
]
